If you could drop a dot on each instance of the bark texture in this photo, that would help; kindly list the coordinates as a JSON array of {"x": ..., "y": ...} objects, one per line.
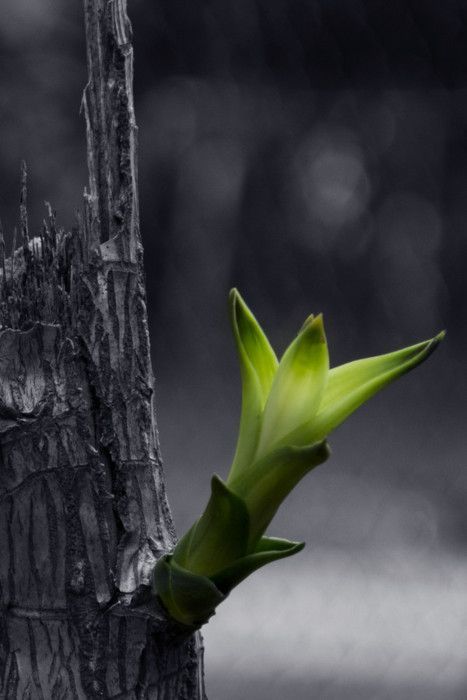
[{"x": 83, "y": 514}]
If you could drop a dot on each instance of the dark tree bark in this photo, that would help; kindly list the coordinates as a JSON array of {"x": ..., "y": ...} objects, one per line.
[{"x": 83, "y": 514}]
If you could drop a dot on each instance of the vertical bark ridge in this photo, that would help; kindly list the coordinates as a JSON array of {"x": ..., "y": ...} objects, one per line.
[
  {"x": 111, "y": 125},
  {"x": 83, "y": 514}
]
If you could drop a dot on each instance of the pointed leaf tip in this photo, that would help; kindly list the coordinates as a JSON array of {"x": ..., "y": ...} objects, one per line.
[
  {"x": 316, "y": 321},
  {"x": 433, "y": 344},
  {"x": 255, "y": 351},
  {"x": 233, "y": 298}
]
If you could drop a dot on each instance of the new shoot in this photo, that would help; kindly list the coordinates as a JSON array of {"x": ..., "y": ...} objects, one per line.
[{"x": 288, "y": 410}]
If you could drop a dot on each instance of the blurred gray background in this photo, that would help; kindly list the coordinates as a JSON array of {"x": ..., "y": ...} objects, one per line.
[{"x": 314, "y": 154}]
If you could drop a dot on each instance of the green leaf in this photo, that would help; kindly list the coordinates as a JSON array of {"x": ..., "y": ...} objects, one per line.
[
  {"x": 297, "y": 387},
  {"x": 269, "y": 549},
  {"x": 189, "y": 598},
  {"x": 350, "y": 385},
  {"x": 258, "y": 364},
  {"x": 219, "y": 537},
  {"x": 269, "y": 481}
]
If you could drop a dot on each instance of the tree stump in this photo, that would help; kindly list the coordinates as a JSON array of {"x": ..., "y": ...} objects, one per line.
[{"x": 84, "y": 516}]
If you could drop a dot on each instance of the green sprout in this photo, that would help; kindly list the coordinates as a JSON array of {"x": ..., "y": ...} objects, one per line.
[{"x": 288, "y": 410}]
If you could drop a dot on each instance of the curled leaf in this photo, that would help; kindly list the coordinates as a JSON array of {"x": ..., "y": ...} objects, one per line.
[
  {"x": 269, "y": 481},
  {"x": 352, "y": 384},
  {"x": 219, "y": 537},
  {"x": 189, "y": 598},
  {"x": 258, "y": 365},
  {"x": 297, "y": 387},
  {"x": 268, "y": 549}
]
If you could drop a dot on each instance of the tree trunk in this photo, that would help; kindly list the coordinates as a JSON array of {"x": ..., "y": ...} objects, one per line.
[{"x": 84, "y": 515}]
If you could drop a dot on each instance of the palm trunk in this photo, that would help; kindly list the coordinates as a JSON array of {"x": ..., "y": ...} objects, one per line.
[{"x": 84, "y": 515}]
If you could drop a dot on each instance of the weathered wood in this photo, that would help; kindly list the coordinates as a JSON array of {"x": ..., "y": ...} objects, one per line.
[
  {"x": 111, "y": 128},
  {"x": 84, "y": 514}
]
